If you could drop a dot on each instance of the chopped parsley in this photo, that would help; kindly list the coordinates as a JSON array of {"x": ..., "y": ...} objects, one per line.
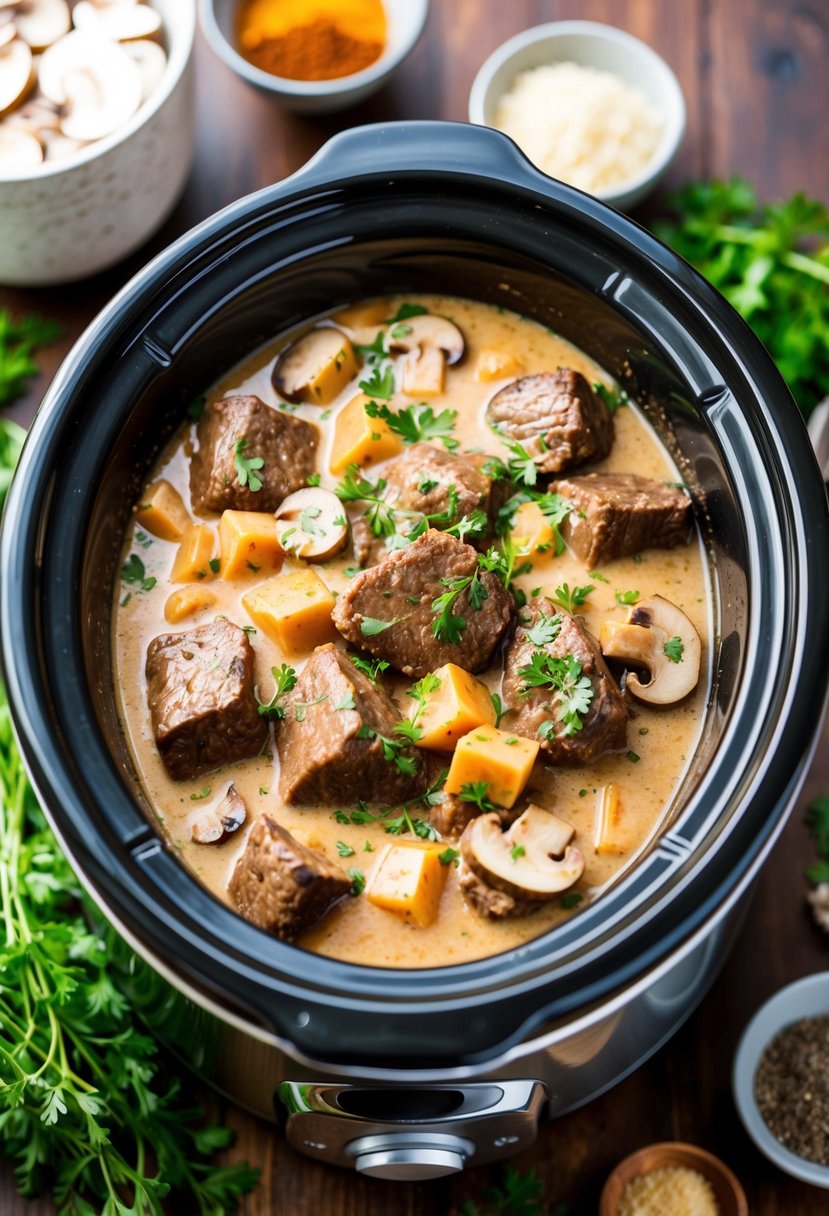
[
  {"x": 370, "y": 626},
  {"x": 633, "y": 757},
  {"x": 674, "y": 649},
  {"x": 410, "y": 728},
  {"x": 203, "y": 793},
  {"x": 571, "y": 899},
  {"x": 358, "y": 881},
  {"x": 313, "y": 479},
  {"x": 214, "y": 564},
  {"x": 393, "y": 750},
  {"x": 569, "y": 599},
  {"x": 545, "y": 630},
  {"x": 405, "y": 311},
  {"x": 499, "y": 707},
  {"x": 613, "y": 398},
  {"x": 446, "y": 626},
  {"x": 344, "y": 850},
  {"x": 517, "y": 852},
  {"x": 521, "y": 464},
  {"x": 285, "y": 679},
  {"x": 416, "y": 423},
  {"x": 380, "y": 383},
  {"x": 373, "y": 668},
  {"x": 448, "y": 856},
  {"x": 626, "y": 597},
  {"x": 247, "y": 466},
  {"x": 195, "y": 409},
  {"x": 600, "y": 578},
  {"x": 301, "y": 706},
  {"x": 573, "y": 691},
  {"x": 477, "y": 792},
  {"x": 347, "y": 702},
  {"x": 133, "y": 572}
]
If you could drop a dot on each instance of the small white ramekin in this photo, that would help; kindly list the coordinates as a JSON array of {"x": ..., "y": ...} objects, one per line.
[
  {"x": 73, "y": 218},
  {"x": 405, "y": 19},
  {"x": 589, "y": 44}
]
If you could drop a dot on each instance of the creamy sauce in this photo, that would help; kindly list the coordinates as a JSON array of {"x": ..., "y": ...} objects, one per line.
[{"x": 663, "y": 741}]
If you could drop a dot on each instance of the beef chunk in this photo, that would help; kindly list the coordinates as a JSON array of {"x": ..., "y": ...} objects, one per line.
[
  {"x": 619, "y": 514},
  {"x": 604, "y": 726},
  {"x": 556, "y": 416},
  {"x": 287, "y": 446},
  {"x": 402, "y": 589},
  {"x": 420, "y": 481},
  {"x": 281, "y": 885},
  {"x": 202, "y": 703},
  {"x": 329, "y": 741},
  {"x": 486, "y": 900},
  {"x": 452, "y": 814}
]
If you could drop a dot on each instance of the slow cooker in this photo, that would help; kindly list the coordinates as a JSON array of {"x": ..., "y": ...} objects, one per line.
[{"x": 412, "y": 1074}]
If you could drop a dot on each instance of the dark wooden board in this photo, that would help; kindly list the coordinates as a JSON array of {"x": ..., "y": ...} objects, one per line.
[{"x": 757, "y": 90}]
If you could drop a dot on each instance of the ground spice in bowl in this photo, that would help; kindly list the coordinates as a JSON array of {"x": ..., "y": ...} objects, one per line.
[
  {"x": 791, "y": 1088},
  {"x": 311, "y": 39},
  {"x": 674, "y": 1190}
]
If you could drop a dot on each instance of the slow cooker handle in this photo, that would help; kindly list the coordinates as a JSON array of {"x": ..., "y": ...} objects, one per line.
[{"x": 413, "y": 147}]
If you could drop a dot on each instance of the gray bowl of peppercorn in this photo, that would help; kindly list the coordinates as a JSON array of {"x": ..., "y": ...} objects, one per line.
[{"x": 781, "y": 1079}]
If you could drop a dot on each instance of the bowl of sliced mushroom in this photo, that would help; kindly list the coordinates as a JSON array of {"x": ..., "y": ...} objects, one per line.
[{"x": 96, "y": 131}]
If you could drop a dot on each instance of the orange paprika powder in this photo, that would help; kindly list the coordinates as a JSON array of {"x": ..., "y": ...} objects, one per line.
[{"x": 311, "y": 39}]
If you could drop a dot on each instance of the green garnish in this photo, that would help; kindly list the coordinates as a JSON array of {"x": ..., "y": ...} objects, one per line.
[
  {"x": 674, "y": 649},
  {"x": 517, "y": 851},
  {"x": 571, "y": 600},
  {"x": 18, "y": 342},
  {"x": 405, "y": 311},
  {"x": 203, "y": 793},
  {"x": 600, "y": 578},
  {"x": 301, "y": 706},
  {"x": 416, "y": 423},
  {"x": 246, "y": 467},
  {"x": 380, "y": 383},
  {"x": 573, "y": 691},
  {"x": 571, "y": 899},
  {"x": 447, "y": 627},
  {"x": 448, "y": 856},
  {"x": 214, "y": 564},
  {"x": 393, "y": 750},
  {"x": 344, "y": 850},
  {"x": 626, "y": 597},
  {"x": 477, "y": 792},
  {"x": 370, "y": 626},
  {"x": 499, "y": 707},
  {"x": 285, "y": 679},
  {"x": 133, "y": 572},
  {"x": 313, "y": 479},
  {"x": 373, "y": 668},
  {"x": 358, "y": 881},
  {"x": 613, "y": 398},
  {"x": 545, "y": 630},
  {"x": 409, "y": 728},
  {"x": 347, "y": 702}
]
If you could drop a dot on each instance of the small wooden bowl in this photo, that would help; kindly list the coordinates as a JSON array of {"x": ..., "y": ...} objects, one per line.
[{"x": 730, "y": 1196}]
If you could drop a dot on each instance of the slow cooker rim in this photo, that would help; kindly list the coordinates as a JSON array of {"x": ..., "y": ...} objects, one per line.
[{"x": 184, "y": 250}]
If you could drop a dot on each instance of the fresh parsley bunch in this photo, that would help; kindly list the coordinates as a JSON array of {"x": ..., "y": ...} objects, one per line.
[{"x": 770, "y": 261}]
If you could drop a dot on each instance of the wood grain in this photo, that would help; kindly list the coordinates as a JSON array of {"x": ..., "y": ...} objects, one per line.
[{"x": 754, "y": 77}]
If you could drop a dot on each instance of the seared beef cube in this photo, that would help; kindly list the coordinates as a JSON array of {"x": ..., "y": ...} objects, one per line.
[
  {"x": 486, "y": 900},
  {"x": 537, "y": 711},
  {"x": 202, "y": 703},
  {"x": 281, "y": 885},
  {"x": 419, "y": 483},
  {"x": 452, "y": 814},
  {"x": 331, "y": 740},
  {"x": 402, "y": 589},
  {"x": 556, "y": 416},
  {"x": 619, "y": 514},
  {"x": 286, "y": 446}
]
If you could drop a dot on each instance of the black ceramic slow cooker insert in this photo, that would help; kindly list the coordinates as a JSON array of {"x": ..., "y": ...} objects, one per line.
[{"x": 447, "y": 208}]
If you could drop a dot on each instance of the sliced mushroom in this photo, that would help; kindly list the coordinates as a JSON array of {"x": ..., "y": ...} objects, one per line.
[
  {"x": 315, "y": 368},
  {"x": 16, "y": 74},
  {"x": 121, "y": 22},
  {"x": 658, "y": 638},
  {"x": 311, "y": 523},
  {"x": 431, "y": 343},
  {"x": 42, "y": 22},
  {"x": 95, "y": 79},
  {"x": 532, "y": 861},
  {"x": 151, "y": 61},
  {"x": 214, "y": 826},
  {"x": 34, "y": 116},
  {"x": 59, "y": 147},
  {"x": 19, "y": 151},
  {"x": 8, "y": 33}
]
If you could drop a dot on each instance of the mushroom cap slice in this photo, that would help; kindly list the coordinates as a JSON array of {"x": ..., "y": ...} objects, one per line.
[
  {"x": 35, "y": 116},
  {"x": 214, "y": 826},
  {"x": 16, "y": 73},
  {"x": 19, "y": 151},
  {"x": 428, "y": 332},
  {"x": 95, "y": 79},
  {"x": 533, "y": 860},
  {"x": 151, "y": 60},
  {"x": 8, "y": 33},
  {"x": 42, "y": 22},
  {"x": 660, "y": 638},
  {"x": 121, "y": 22},
  {"x": 311, "y": 523},
  {"x": 300, "y": 364}
]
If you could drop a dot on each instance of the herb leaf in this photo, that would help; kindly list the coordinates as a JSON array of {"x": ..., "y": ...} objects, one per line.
[
  {"x": 674, "y": 649},
  {"x": 133, "y": 572},
  {"x": 417, "y": 423},
  {"x": 285, "y": 679},
  {"x": 573, "y": 690},
  {"x": 370, "y": 626},
  {"x": 246, "y": 467},
  {"x": 626, "y": 597},
  {"x": 571, "y": 600}
]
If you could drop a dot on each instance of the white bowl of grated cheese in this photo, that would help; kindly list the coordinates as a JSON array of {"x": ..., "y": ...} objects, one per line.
[{"x": 588, "y": 104}]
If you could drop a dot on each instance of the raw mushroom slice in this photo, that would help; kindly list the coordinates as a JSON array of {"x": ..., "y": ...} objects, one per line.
[
  {"x": 95, "y": 79},
  {"x": 214, "y": 826},
  {"x": 316, "y": 367},
  {"x": 432, "y": 343},
  {"x": 151, "y": 62},
  {"x": 121, "y": 22},
  {"x": 311, "y": 523},
  {"x": 658, "y": 638},
  {"x": 19, "y": 151},
  {"x": 8, "y": 33},
  {"x": 41, "y": 23},
  {"x": 59, "y": 147},
  {"x": 16, "y": 74},
  {"x": 35, "y": 116},
  {"x": 532, "y": 861}
]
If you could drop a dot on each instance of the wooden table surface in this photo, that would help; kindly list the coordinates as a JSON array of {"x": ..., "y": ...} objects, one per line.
[{"x": 757, "y": 89}]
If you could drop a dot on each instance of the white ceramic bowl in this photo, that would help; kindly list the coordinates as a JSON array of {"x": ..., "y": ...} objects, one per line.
[
  {"x": 405, "y": 19},
  {"x": 72, "y": 218},
  {"x": 589, "y": 44},
  {"x": 804, "y": 998}
]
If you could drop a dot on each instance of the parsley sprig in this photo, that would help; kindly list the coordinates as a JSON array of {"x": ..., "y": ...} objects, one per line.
[
  {"x": 477, "y": 792},
  {"x": 420, "y": 692},
  {"x": 571, "y": 600},
  {"x": 447, "y": 627},
  {"x": 285, "y": 679},
  {"x": 417, "y": 423},
  {"x": 247, "y": 466},
  {"x": 18, "y": 342},
  {"x": 573, "y": 691}
]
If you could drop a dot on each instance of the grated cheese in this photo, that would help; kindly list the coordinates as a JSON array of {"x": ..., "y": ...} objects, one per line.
[
  {"x": 586, "y": 127},
  {"x": 672, "y": 1191}
]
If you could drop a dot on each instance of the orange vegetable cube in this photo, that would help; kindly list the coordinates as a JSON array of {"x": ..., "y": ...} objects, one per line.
[
  {"x": 248, "y": 543},
  {"x": 359, "y": 439},
  {"x": 408, "y": 880},
  {"x": 457, "y": 705},
  {"x": 187, "y": 602},
  {"x": 503, "y": 760},
  {"x": 294, "y": 610},
  {"x": 532, "y": 534},
  {"x": 194, "y": 553},
  {"x": 162, "y": 512},
  {"x": 496, "y": 364}
]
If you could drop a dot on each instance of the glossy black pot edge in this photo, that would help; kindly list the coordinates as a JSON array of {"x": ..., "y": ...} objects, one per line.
[{"x": 450, "y": 989}]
